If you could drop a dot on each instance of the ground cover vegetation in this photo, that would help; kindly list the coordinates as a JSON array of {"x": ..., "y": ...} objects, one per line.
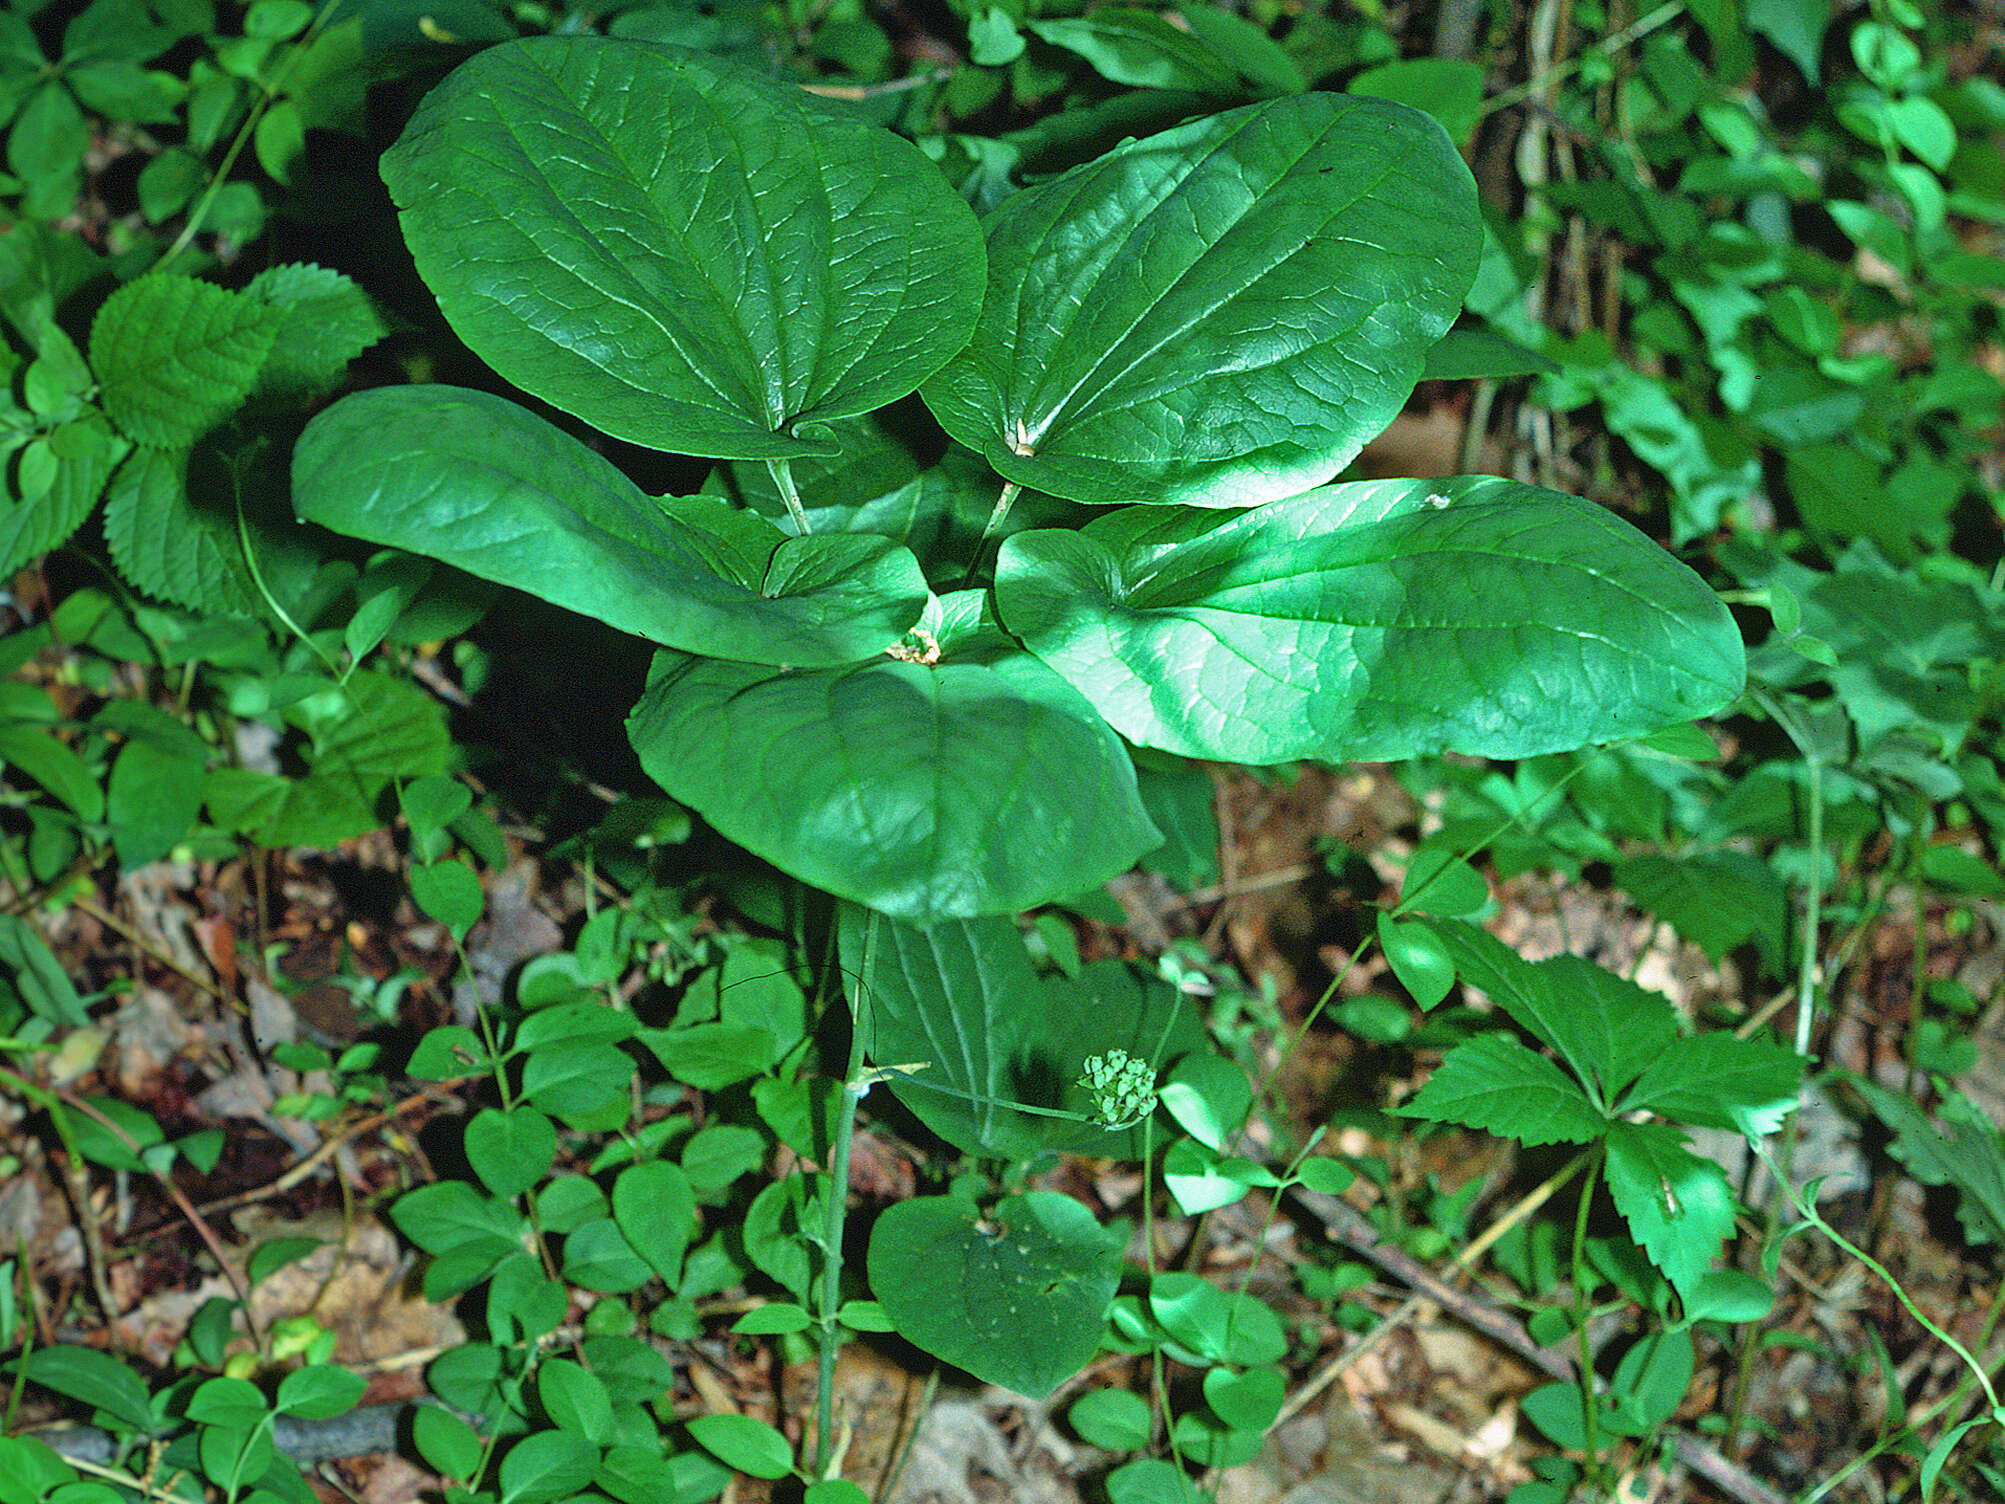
[{"x": 1158, "y": 707}]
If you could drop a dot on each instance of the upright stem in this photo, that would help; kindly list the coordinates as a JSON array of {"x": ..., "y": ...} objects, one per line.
[
  {"x": 853, "y": 1087},
  {"x": 996, "y": 519},
  {"x": 1590, "y": 1420},
  {"x": 783, "y": 477},
  {"x": 1813, "y": 912}
]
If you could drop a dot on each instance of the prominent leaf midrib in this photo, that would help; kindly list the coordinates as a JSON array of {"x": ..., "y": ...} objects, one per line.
[
  {"x": 523, "y": 166},
  {"x": 1277, "y": 260},
  {"x": 687, "y": 349},
  {"x": 1201, "y": 587}
]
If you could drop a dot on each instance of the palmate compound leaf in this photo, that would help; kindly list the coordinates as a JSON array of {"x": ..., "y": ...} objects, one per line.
[
  {"x": 480, "y": 483},
  {"x": 1218, "y": 315},
  {"x": 1373, "y": 620},
  {"x": 978, "y": 784},
  {"x": 681, "y": 252}
]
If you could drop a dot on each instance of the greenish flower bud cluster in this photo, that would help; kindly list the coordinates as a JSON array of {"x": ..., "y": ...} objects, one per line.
[{"x": 1123, "y": 1088}]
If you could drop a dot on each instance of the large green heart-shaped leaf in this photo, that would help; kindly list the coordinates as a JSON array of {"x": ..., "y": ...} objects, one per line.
[
  {"x": 1382, "y": 619},
  {"x": 1017, "y": 1298},
  {"x": 962, "y": 997},
  {"x": 980, "y": 784},
  {"x": 682, "y": 253},
  {"x": 482, "y": 484},
  {"x": 1221, "y": 314}
]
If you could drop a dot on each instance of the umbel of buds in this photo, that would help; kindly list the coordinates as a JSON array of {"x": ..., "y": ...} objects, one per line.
[{"x": 1123, "y": 1088}]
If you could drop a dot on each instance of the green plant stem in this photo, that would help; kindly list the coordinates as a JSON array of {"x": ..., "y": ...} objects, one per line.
[
  {"x": 11, "y": 1414},
  {"x": 1918, "y": 972},
  {"x": 783, "y": 477},
  {"x": 1807, "y": 1210},
  {"x": 193, "y": 225},
  {"x": 1813, "y": 913},
  {"x": 855, "y": 1083},
  {"x": 1560, "y": 72},
  {"x": 1590, "y": 1423},
  {"x": 1010, "y": 491},
  {"x": 1807, "y": 979},
  {"x": 334, "y": 669}
]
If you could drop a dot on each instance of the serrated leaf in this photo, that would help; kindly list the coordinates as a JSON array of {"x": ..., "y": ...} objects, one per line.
[
  {"x": 1715, "y": 899},
  {"x": 1017, "y": 1298},
  {"x": 890, "y": 783},
  {"x": 324, "y": 321},
  {"x": 1379, "y": 619},
  {"x": 1220, "y": 314},
  {"x": 85, "y": 451},
  {"x": 1498, "y": 1085},
  {"x": 1678, "y": 1206},
  {"x": 1714, "y": 1080},
  {"x": 1965, "y": 1154},
  {"x": 1606, "y": 1029},
  {"x": 176, "y": 521},
  {"x": 755, "y": 262},
  {"x": 962, "y": 997},
  {"x": 177, "y": 356},
  {"x": 482, "y": 484}
]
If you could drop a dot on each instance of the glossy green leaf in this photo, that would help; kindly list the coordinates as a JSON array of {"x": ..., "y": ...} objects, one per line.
[
  {"x": 484, "y": 485},
  {"x": 980, "y": 784},
  {"x": 1018, "y": 1297},
  {"x": 319, "y": 1392},
  {"x": 1380, "y": 619},
  {"x": 1221, "y": 314},
  {"x": 681, "y": 252},
  {"x": 1112, "y": 1418},
  {"x": 962, "y": 997},
  {"x": 1150, "y": 51}
]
